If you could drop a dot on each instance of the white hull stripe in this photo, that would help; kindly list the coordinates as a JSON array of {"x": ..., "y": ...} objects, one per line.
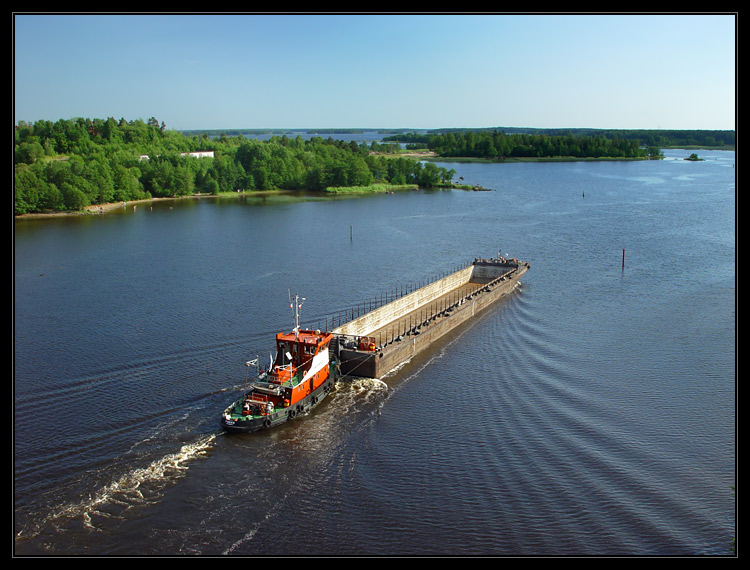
[{"x": 320, "y": 361}]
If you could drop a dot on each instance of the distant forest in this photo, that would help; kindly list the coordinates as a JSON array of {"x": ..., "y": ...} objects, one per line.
[
  {"x": 70, "y": 164},
  {"x": 502, "y": 143}
]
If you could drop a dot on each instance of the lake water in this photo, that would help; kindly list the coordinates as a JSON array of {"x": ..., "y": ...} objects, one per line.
[{"x": 593, "y": 412}]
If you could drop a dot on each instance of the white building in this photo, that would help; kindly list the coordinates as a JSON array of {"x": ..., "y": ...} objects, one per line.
[{"x": 199, "y": 154}]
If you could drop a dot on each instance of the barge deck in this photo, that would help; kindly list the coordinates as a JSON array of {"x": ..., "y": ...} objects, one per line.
[{"x": 373, "y": 344}]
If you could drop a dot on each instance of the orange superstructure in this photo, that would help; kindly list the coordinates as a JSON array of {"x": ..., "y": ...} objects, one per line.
[
  {"x": 298, "y": 378},
  {"x": 301, "y": 364}
]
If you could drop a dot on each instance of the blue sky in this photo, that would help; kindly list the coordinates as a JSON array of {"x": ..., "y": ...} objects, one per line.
[{"x": 379, "y": 71}]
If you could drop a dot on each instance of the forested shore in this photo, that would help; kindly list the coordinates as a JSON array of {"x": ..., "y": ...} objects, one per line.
[
  {"x": 72, "y": 164},
  {"x": 507, "y": 143}
]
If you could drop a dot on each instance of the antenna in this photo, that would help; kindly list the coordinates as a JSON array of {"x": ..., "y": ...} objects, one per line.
[{"x": 296, "y": 305}]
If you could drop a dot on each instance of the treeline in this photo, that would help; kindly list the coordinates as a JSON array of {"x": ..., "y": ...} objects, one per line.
[
  {"x": 578, "y": 143},
  {"x": 499, "y": 145},
  {"x": 70, "y": 164},
  {"x": 685, "y": 138},
  {"x": 662, "y": 138}
]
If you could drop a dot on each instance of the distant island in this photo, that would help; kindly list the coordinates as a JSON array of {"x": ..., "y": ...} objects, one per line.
[
  {"x": 513, "y": 143},
  {"x": 73, "y": 164},
  {"x": 694, "y": 157}
]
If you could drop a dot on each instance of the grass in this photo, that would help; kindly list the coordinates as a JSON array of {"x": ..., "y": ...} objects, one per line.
[{"x": 373, "y": 188}]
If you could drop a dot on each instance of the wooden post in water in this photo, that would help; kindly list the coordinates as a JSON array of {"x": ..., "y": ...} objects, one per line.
[{"x": 623, "y": 258}]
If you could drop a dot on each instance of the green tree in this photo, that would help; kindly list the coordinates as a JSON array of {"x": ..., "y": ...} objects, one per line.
[
  {"x": 100, "y": 179},
  {"x": 73, "y": 197},
  {"x": 29, "y": 151},
  {"x": 127, "y": 185},
  {"x": 28, "y": 190},
  {"x": 50, "y": 198}
]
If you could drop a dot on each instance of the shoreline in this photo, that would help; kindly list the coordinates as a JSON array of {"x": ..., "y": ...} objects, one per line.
[
  {"x": 101, "y": 209},
  {"x": 92, "y": 210}
]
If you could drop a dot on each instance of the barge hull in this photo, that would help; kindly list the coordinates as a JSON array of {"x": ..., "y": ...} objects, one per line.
[{"x": 405, "y": 327}]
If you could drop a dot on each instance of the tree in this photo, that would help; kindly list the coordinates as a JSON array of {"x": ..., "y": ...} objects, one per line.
[
  {"x": 29, "y": 152},
  {"x": 99, "y": 176},
  {"x": 73, "y": 198},
  {"x": 126, "y": 183},
  {"x": 50, "y": 198},
  {"x": 182, "y": 181},
  {"x": 28, "y": 188},
  {"x": 208, "y": 185}
]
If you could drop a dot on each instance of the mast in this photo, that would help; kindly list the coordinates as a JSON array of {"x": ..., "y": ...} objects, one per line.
[{"x": 296, "y": 306}]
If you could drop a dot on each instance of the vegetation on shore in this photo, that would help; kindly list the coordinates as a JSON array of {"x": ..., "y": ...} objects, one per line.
[
  {"x": 497, "y": 145},
  {"x": 513, "y": 143},
  {"x": 373, "y": 188},
  {"x": 71, "y": 164}
]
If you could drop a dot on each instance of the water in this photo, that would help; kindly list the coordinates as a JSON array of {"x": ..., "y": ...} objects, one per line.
[{"x": 591, "y": 413}]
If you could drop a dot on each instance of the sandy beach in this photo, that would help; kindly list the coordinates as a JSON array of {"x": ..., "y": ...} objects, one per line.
[{"x": 100, "y": 209}]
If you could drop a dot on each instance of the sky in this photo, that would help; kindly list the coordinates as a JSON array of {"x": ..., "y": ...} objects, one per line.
[{"x": 418, "y": 71}]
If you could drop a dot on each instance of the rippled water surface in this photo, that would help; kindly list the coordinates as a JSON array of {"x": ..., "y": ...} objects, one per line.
[{"x": 592, "y": 412}]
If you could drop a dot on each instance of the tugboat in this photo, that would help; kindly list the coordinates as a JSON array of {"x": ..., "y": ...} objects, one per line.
[{"x": 298, "y": 379}]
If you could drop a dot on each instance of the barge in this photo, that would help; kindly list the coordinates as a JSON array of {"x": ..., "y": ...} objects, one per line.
[{"x": 373, "y": 344}]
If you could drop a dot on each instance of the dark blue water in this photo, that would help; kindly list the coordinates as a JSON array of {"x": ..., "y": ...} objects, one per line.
[{"x": 591, "y": 413}]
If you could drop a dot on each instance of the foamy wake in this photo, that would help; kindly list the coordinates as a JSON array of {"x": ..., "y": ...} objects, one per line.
[
  {"x": 354, "y": 391},
  {"x": 136, "y": 487}
]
